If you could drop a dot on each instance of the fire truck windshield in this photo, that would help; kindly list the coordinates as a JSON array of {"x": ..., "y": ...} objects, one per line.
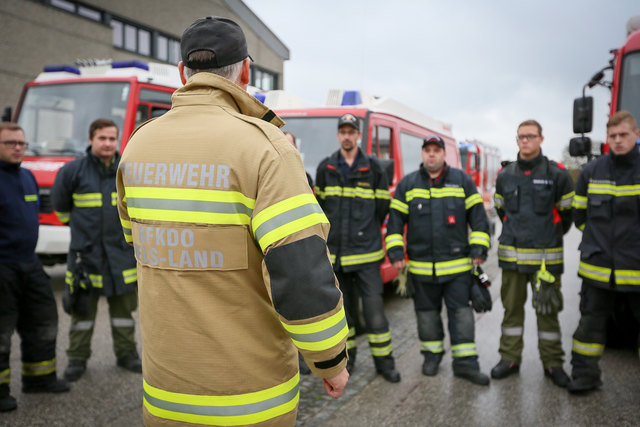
[
  {"x": 629, "y": 98},
  {"x": 56, "y": 117},
  {"x": 316, "y": 138}
]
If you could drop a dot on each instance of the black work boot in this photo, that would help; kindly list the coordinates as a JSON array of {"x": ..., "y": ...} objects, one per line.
[
  {"x": 131, "y": 362},
  {"x": 557, "y": 375},
  {"x": 385, "y": 366},
  {"x": 51, "y": 385},
  {"x": 471, "y": 373},
  {"x": 7, "y": 402},
  {"x": 584, "y": 383},
  {"x": 503, "y": 369},
  {"x": 75, "y": 369},
  {"x": 431, "y": 363}
]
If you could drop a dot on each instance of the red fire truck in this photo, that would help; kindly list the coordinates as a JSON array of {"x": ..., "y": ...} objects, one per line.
[
  {"x": 624, "y": 68},
  {"x": 391, "y": 131},
  {"x": 55, "y": 111}
]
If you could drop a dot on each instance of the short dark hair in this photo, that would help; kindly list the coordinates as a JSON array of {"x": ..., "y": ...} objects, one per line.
[
  {"x": 531, "y": 122},
  {"x": 286, "y": 132},
  {"x": 10, "y": 126},
  {"x": 99, "y": 124},
  {"x": 622, "y": 116}
]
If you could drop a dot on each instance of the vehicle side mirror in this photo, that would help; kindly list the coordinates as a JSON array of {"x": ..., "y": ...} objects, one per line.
[
  {"x": 583, "y": 114},
  {"x": 580, "y": 146},
  {"x": 6, "y": 116},
  {"x": 389, "y": 166}
]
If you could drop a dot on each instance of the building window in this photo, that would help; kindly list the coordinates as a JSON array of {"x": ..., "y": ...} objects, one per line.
[
  {"x": 162, "y": 46},
  {"x": 92, "y": 14},
  {"x": 116, "y": 26},
  {"x": 130, "y": 36},
  {"x": 144, "y": 42},
  {"x": 174, "y": 51},
  {"x": 263, "y": 79},
  {"x": 64, "y": 5}
]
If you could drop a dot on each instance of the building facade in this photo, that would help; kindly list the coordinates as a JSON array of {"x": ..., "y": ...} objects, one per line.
[{"x": 36, "y": 33}]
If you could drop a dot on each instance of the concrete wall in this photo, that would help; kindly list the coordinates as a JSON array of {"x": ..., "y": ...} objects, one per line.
[{"x": 34, "y": 34}]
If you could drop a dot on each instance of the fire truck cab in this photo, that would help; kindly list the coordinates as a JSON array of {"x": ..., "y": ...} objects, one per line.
[{"x": 56, "y": 109}]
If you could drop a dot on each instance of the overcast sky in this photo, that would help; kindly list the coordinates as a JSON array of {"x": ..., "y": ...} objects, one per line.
[{"x": 483, "y": 66}]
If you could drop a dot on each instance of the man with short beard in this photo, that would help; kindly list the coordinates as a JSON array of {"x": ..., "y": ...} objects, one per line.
[
  {"x": 437, "y": 203},
  {"x": 352, "y": 190}
]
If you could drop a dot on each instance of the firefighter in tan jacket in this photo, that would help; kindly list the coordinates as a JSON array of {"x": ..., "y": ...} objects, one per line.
[{"x": 233, "y": 267}]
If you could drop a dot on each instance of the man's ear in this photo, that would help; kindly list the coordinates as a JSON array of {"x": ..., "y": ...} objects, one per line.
[
  {"x": 181, "y": 71},
  {"x": 245, "y": 74}
]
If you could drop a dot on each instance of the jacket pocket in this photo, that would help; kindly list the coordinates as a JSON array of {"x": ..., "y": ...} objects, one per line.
[
  {"x": 587, "y": 250},
  {"x": 600, "y": 206},
  {"x": 542, "y": 199},
  {"x": 511, "y": 197}
]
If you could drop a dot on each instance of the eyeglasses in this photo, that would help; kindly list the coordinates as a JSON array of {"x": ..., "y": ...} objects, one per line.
[
  {"x": 526, "y": 137},
  {"x": 13, "y": 144}
]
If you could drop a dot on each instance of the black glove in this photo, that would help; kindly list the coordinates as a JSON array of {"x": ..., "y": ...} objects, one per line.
[
  {"x": 480, "y": 296},
  {"x": 547, "y": 298},
  {"x": 77, "y": 296}
]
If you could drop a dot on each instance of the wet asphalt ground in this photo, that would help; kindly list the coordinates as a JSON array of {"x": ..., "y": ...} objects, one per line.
[{"x": 110, "y": 396}]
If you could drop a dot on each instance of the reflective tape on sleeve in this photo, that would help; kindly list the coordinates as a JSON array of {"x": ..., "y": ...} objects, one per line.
[
  {"x": 399, "y": 206},
  {"x": 472, "y": 200},
  {"x": 87, "y": 200},
  {"x": 130, "y": 275},
  {"x": 565, "y": 202},
  {"x": 480, "y": 238},
  {"x": 362, "y": 258},
  {"x": 63, "y": 217},
  {"x": 593, "y": 272},
  {"x": 498, "y": 200},
  {"x": 382, "y": 194},
  {"x": 393, "y": 240},
  {"x": 30, "y": 197},
  {"x": 579, "y": 202},
  {"x": 321, "y": 335}
]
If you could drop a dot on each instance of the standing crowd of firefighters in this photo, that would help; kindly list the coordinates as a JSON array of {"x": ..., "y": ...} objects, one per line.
[{"x": 254, "y": 263}]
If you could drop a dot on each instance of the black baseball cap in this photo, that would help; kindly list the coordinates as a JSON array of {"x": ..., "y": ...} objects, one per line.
[
  {"x": 433, "y": 139},
  {"x": 349, "y": 119},
  {"x": 221, "y": 36}
]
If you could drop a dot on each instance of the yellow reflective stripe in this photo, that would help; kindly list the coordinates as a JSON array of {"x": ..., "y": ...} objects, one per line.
[
  {"x": 87, "y": 200},
  {"x": 452, "y": 267},
  {"x": 393, "y": 240},
  {"x": 30, "y": 197},
  {"x": 379, "y": 338},
  {"x": 189, "y": 205},
  {"x": 432, "y": 346},
  {"x": 593, "y": 272},
  {"x": 472, "y": 200},
  {"x": 362, "y": 258},
  {"x": 498, "y": 200},
  {"x": 381, "y": 351},
  {"x": 581, "y": 227},
  {"x": 415, "y": 193},
  {"x": 332, "y": 257},
  {"x": 130, "y": 275},
  {"x": 579, "y": 202},
  {"x": 382, "y": 194},
  {"x": 365, "y": 193},
  {"x": 321, "y": 335},
  {"x": 285, "y": 218},
  {"x": 627, "y": 277},
  {"x": 5, "y": 376},
  {"x": 230, "y": 410},
  {"x": 63, "y": 217},
  {"x": 96, "y": 280},
  {"x": 399, "y": 206},
  {"x": 615, "y": 190},
  {"x": 565, "y": 201},
  {"x": 530, "y": 256},
  {"x": 114, "y": 199},
  {"x": 447, "y": 192},
  {"x": 319, "y": 192},
  {"x": 587, "y": 349},
  {"x": 420, "y": 267},
  {"x": 39, "y": 368},
  {"x": 463, "y": 350},
  {"x": 480, "y": 238},
  {"x": 351, "y": 339}
]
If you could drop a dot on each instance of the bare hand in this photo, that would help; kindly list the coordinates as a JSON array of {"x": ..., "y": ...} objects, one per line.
[
  {"x": 335, "y": 386},
  {"x": 399, "y": 264}
]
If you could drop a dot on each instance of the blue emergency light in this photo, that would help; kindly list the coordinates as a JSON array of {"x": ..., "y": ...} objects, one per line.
[
  {"x": 61, "y": 68},
  {"x": 260, "y": 97},
  {"x": 351, "y": 97},
  {"x": 130, "y": 64}
]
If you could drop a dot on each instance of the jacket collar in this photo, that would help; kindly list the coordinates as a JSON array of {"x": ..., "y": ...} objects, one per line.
[
  {"x": 362, "y": 160},
  {"x": 626, "y": 159},
  {"x": 440, "y": 178},
  {"x": 98, "y": 161},
  {"x": 9, "y": 166},
  {"x": 209, "y": 88},
  {"x": 530, "y": 164}
]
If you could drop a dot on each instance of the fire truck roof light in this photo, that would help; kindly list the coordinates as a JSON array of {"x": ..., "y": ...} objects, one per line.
[
  {"x": 58, "y": 68},
  {"x": 130, "y": 64},
  {"x": 351, "y": 97},
  {"x": 260, "y": 97}
]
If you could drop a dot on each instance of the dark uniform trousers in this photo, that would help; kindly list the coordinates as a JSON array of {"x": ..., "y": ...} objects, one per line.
[
  {"x": 596, "y": 304},
  {"x": 427, "y": 301},
  {"x": 514, "y": 297},
  {"x": 367, "y": 284},
  {"x": 27, "y": 305},
  {"x": 121, "y": 308}
]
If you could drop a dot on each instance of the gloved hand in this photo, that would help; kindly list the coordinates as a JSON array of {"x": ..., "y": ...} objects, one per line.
[
  {"x": 480, "y": 296},
  {"x": 547, "y": 298}
]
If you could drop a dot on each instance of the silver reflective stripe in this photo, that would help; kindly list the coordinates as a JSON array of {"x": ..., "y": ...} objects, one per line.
[
  {"x": 287, "y": 217},
  {"x": 515, "y": 331},
  {"x": 223, "y": 411},
  {"x": 83, "y": 325},
  {"x": 549, "y": 336},
  {"x": 432, "y": 346},
  {"x": 189, "y": 205},
  {"x": 122, "y": 322},
  {"x": 321, "y": 335}
]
